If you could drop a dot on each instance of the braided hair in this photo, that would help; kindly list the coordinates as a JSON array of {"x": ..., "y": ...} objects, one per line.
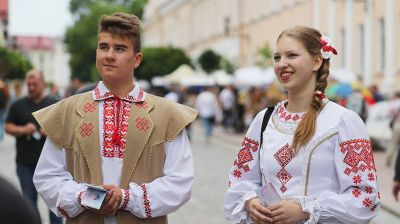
[{"x": 310, "y": 38}]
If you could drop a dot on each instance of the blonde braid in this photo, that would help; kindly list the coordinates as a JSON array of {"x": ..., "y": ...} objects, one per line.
[{"x": 306, "y": 128}]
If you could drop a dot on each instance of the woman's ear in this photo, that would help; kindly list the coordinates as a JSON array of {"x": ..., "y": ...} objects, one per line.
[{"x": 317, "y": 62}]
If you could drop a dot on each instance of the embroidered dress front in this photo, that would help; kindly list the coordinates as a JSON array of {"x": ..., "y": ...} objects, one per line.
[{"x": 333, "y": 177}]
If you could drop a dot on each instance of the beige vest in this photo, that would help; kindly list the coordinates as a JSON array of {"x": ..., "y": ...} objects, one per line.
[{"x": 73, "y": 124}]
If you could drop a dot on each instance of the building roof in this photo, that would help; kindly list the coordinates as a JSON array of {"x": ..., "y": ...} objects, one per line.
[
  {"x": 3, "y": 9},
  {"x": 34, "y": 42}
]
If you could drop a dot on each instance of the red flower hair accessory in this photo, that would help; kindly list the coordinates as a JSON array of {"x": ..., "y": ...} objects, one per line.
[
  {"x": 327, "y": 50},
  {"x": 321, "y": 96}
]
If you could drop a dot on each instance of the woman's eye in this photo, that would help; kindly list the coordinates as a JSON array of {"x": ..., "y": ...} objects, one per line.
[{"x": 277, "y": 58}]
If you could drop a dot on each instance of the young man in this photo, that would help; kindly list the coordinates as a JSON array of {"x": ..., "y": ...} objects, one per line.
[
  {"x": 131, "y": 143},
  {"x": 29, "y": 136}
]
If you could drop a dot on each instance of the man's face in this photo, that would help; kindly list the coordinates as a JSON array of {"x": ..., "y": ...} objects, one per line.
[
  {"x": 115, "y": 58},
  {"x": 36, "y": 86}
]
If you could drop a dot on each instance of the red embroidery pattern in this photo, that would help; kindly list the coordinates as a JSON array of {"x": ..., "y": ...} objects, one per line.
[
  {"x": 142, "y": 124},
  {"x": 245, "y": 156},
  {"x": 356, "y": 192},
  {"x": 368, "y": 190},
  {"x": 98, "y": 95},
  {"x": 373, "y": 208},
  {"x": 111, "y": 150},
  {"x": 63, "y": 212},
  {"x": 80, "y": 198},
  {"x": 371, "y": 177},
  {"x": 146, "y": 202},
  {"x": 286, "y": 116},
  {"x": 357, "y": 179},
  {"x": 138, "y": 96},
  {"x": 359, "y": 155},
  {"x": 126, "y": 199},
  {"x": 367, "y": 202},
  {"x": 86, "y": 129},
  {"x": 284, "y": 156},
  {"x": 89, "y": 107},
  {"x": 142, "y": 104}
]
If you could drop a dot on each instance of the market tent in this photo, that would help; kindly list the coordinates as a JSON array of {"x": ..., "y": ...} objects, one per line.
[
  {"x": 342, "y": 75},
  {"x": 254, "y": 76},
  {"x": 222, "y": 78},
  {"x": 179, "y": 73}
]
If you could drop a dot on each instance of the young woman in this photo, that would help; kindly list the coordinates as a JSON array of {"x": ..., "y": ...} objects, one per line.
[{"x": 315, "y": 153}]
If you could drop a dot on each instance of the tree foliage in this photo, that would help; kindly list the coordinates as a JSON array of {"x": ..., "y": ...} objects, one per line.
[
  {"x": 210, "y": 61},
  {"x": 265, "y": 55},
  {"x": 159, "y": 61},
  {"x": 81, "y": 38},
  {"x": 14, "y": 65}
]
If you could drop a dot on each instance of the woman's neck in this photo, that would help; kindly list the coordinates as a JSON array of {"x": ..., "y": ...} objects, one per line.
[{"x": 299, "y": 101}]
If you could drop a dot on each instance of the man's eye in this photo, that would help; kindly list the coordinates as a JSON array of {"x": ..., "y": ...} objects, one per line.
[
  {"x": 120, "y": 49},
  {"x": 102, "y": 47}
]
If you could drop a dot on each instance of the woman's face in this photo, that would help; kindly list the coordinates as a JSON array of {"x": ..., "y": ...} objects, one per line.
[{"x": 294, "y": 67}]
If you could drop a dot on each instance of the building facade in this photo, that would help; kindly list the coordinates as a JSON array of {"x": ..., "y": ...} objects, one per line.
[
  {"x": 47, "y": 54},
  {"x": 363, "y": 31},
  {"x": 3, "y": 22}
]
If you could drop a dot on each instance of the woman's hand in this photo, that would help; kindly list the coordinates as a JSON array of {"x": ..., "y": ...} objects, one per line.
[
  {"x": 287, "y": 212},
  {"x": 258, "y": 213}
]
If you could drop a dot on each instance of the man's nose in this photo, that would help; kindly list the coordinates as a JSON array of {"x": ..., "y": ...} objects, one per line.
[{"x": 110, "y": 55}]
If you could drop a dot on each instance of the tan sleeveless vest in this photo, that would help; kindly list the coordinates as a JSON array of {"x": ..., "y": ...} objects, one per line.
[{"x": 73, "y": 124}]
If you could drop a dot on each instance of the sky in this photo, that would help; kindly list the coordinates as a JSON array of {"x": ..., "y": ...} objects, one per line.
[{"x": 39, "y": 17}]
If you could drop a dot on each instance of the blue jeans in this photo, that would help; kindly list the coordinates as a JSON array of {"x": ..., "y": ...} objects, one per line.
[
  {"x": 208, "y": 125},
  {"x": 25, "y": 176}
]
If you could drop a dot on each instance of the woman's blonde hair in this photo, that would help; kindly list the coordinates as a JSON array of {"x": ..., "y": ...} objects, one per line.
[{"x": 309, "y": 37}]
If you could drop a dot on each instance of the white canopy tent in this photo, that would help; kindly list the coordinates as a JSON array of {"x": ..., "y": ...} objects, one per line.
[
  {"x": 222, "y": 78},
  {"x": 254, "y": 76},
  {"x": 342, "y": 75}
]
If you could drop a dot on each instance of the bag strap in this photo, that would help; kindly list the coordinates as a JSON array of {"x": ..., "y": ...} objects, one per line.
[{"x": 267, "y": 115}]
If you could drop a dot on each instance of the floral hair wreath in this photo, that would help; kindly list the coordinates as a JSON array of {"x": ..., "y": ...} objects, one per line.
[{"x": 327, "y": 49}]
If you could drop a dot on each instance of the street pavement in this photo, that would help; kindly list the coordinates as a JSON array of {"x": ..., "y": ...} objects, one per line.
[{"x": 212, "y": 164}]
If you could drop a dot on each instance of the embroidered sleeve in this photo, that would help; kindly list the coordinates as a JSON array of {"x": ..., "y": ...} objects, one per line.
[
  {"x": 165, "y": 194},
  {"x": 244, "y": 176},
  {"x": 357, "y": 179}
]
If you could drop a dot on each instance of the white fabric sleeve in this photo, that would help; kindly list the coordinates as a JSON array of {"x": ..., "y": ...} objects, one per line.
[
  {"x": 244, "y": 176},
  {"x": 165, "y": 194},
  {"x": 358, "y": 200},
  {"x": 55, "y": 184}
]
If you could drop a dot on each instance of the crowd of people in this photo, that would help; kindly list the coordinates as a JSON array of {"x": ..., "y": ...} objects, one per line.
[{"x": 307, "y": 146}]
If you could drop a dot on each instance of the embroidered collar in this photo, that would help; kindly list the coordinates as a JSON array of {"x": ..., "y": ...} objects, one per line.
[
  {"x": 101, "y": 93},
  {"x": 286, "y": 116}
]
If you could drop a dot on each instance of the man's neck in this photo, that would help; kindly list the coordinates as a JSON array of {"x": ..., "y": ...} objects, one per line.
[
  {"x": 37, "y": 100},
  {"x": 120, "y": 89}
]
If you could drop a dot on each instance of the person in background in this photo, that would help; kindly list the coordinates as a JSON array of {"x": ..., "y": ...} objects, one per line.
[
  {"x": 116, "y": 136},
  {"x": 14, "y": 208},
  {"x": 227, "y": 98},
  {"x": 207, "y": 104},
  {"x": 316, "y": 154},
  {"x": 394, "y": 114},
  {"x": 30, "y": 137},
  {"x": 4, "y": 99}
]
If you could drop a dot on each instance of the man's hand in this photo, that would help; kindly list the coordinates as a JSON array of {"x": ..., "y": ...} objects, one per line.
[
  {"x": 396, "y": 189},
  {"x": 111, "y": 202},
  {"x": 287, "y": 212},
  {"x": 29, "y": 129},
  {"x": 258, "y": 213}
]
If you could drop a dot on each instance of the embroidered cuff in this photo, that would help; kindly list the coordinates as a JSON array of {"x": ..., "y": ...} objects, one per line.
[
  {"x": 146, "y": 201},
  {"x": 310, "y": 206},
  {"x": 62, "y": 212},
  {"x": 80, "y": 195},
  {"x": 126, "y": 196}
]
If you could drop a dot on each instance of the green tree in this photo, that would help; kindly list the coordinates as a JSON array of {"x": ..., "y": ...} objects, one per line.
[
  {"x": 227, "y": 66},
  {"x": 14, "y": 65},
  {"x": 209, "y": 61},
  {"x": 265, "y": 55},
  {"x": 159, "y": 61}
]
